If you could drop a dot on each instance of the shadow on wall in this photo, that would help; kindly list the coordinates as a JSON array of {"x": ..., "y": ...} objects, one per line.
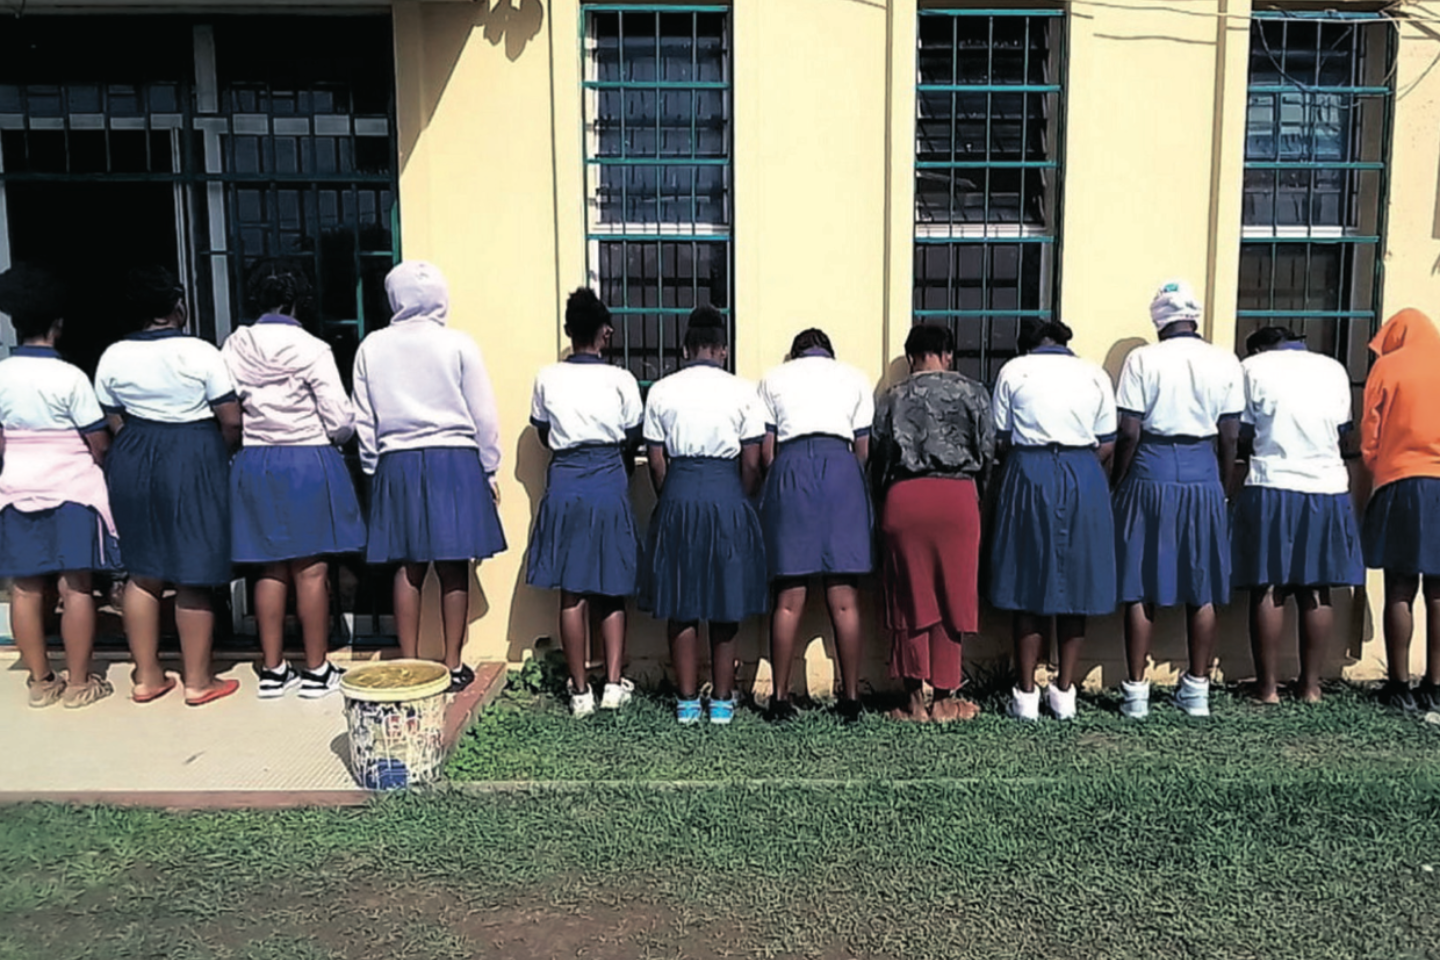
[
  {"x": 532, "y": 612},
  {"x": 448, "y": 28}
]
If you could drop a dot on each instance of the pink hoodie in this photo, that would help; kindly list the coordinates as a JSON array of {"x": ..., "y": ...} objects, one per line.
[{"x": 289, "y": 387}]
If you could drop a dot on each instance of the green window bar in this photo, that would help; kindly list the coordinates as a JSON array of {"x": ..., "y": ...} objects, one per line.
[
  {"x": 989, "y": 135},
  {"x": 658, "y": 172},
  {"x": 1317, "y": 154}
]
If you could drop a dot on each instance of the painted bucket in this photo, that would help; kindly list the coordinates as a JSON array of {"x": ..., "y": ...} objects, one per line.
[{"x": 395, "y": 711}]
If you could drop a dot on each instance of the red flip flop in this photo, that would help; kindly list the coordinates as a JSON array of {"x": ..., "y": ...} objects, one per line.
[
  {"x": 152, "y": 697},
  {"x": 225, "y": 688}
]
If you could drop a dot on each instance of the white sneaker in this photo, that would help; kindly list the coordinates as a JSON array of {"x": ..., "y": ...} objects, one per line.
[
  {"x": 581, "y": 704},
  {"x": 315, "y": 684},
  {"x": 276, "y": 683},
  {"x": 1193, "y": 695},
  {"x": 1024, "y": 706},
  {"x": 1061, "y": 702},
  {"x": 1136, "y": 704},
  {"x": 617, "y": 695}
]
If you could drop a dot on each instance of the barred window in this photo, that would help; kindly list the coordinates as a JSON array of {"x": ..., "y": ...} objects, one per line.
[
  {"x": 988, "y": 166},
  {"x": 657, "y": 172},
  {"x": 1316, "y": 157}
]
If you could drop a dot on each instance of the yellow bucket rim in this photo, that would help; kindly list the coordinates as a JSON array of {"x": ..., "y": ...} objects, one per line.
[{"x": 394, "y": 681}]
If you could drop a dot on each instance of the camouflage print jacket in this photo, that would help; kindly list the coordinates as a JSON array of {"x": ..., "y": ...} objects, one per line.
[{"x": 934, "y": 424}]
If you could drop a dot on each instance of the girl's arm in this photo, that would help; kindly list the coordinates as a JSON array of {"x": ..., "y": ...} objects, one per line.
[
  {"x": 750, "y": 469},
  {"x": 1227, "y": 449},
  {"x": 228, "y": 413},
  {"x": 862, "y": 449},
  {"x": 1125, "y": 446},
  {"x": 659, "y": 465},
  {"x": 337, "y": 414},
  {"x": 99, "y": 443},
  {"x": 767, "y": 451},
  {"x": 365, "y": 424}
]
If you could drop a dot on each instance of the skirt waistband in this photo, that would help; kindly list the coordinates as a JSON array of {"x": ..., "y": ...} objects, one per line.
[
  {"x": 816, "y": 443},
  {"x": 209, "y": 423},
  {"x": 1178, "y": 440},
  {"x": 1050, "y": 448}
]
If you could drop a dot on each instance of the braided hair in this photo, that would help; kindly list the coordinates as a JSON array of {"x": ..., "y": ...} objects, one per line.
[
  {"x": 152, "y": 293},
  {"x": 277, "y": 286}
]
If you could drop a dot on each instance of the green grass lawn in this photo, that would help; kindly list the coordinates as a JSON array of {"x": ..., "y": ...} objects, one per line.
[{"x": 1260, "y": 833}]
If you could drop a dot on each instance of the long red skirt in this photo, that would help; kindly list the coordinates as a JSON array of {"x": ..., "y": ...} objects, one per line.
[{"x": 931, "y": 546}]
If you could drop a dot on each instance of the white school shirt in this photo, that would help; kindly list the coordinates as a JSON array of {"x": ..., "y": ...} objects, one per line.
[
  {"x": 166, "y": 376},
  {"x": 583, "y": 400},
  {"x": 39, "y": 391},
  {"x": 1299, "y": 404},
  {"x": 817, "y": 394},
  {"x": 1181, "y": 387},
  {"x": 1052, "y": 396},
  {"x": 703, "y": 411}
]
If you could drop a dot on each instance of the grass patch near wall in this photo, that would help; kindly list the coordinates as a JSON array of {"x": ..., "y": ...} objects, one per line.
[{"x": 1288, "y": 832}]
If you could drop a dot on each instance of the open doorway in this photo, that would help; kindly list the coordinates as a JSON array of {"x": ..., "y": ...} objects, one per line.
[{"x": 92, "y": 234}]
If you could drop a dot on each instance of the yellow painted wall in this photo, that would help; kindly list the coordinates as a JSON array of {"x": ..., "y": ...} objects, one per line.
[{"x": 492, "y": 191}]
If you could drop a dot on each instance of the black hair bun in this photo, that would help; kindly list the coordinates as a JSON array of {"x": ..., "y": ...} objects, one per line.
[
  {"x": 706, "y": 317},
  {"x": 32, "y": 291}
]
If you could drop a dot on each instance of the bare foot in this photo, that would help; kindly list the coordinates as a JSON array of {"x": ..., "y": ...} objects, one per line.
[
  {"x": 952, "y": 709},
  {"x": 908, "y": 715},
  {"x": 1309, "y": 695},
  {"x": 1265, "y": 697}
]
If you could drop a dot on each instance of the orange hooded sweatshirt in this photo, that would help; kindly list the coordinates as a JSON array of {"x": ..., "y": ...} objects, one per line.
[{"x": 1400, "y": 429}]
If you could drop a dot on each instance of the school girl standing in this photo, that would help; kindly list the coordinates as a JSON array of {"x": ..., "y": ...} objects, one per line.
[
  {"x": 292, "y": 501},
  {"x": 1294, "y": 528},
  {"x": 1052, "y": 555},
  {"x": 55, "y": 520},
  {"x": 1400, "y": 442},
  {"x": 585, "y": 542},
  {"x": 175, "y": 417},
  {"x": 703, "y": 432},
  {"x": 1180, "y": 402},
  {"x": 430, "y": 437},
  {"x": 816, "y": 511},
  {"x": 931, "y": 448}
]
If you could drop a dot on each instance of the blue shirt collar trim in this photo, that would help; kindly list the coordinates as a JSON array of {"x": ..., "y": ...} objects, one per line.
[
  {"x": 279, "y": 318},
  {"x": 701, "y": 363},
  {"x": 1055, "y": 349},
  {"x": 818, "y": 352},
  {"x": 31, "y": 350},
  {"x": 165, "y": 333},
  {"x": 1181, "y": 335},
  {"x": 584, "y": 358},
  {"x": 1292, "y": 345}
]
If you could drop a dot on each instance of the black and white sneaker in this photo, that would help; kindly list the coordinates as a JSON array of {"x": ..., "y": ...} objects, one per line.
[
  {"x": 460, "y": 678},
  {"x": 315, "y": 684},
  {"x": 274, "y": 683}
]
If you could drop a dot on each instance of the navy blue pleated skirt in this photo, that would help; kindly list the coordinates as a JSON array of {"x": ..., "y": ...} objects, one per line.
[
  {"x": 1402, "y": 527},
  {"x": 1292, "y": 539},
  {"x": 170, "y": 494},
  {"x": 1052, "y": 551},
  {"x": 706, "y": 559},
  {"x": 1172, "y": 542},
  {"x": 68, "y": 537},
  {"x": 432, "y": 504},
  {"x": 816, "y": 510},
  {"x": 291, "y": 502},
  {"x": 585, "y": 538}
]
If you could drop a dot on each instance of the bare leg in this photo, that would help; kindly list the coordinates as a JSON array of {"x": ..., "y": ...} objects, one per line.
[
  {"x": 575, "y": 637},
  {"x": 1267, "y": 620},
  {"x": 312, "y": 605},
  {"x": 914, "y": 710},
  {"x": 27, "y": 623},
  {"x": 1029, "y": 638},
  {"x": 683, "y": 641},
  {"x": 611, "y": 611},
  {"x": 1399, "y": 623},
  {"x": 454, "y": 607},
  {"x": 784, "y": 626},
  {"x": 1317, "y": 618},
  {"x": 1202, "y": 639},
  {"x": 142, "y": 631},
  {"x": 1139, "y": 625},
  {"x": 77, "y": 624},
  {"x": 1070, "y": 635},
  {"x": 271, "y": 592},
  {"x": 196, "y": 622},
  {"x": 722, "y": 659},
  {"x": 842, "y": 596},
  {"x": 1432, "y": 630},
  {"x": 409, "y": 579}
]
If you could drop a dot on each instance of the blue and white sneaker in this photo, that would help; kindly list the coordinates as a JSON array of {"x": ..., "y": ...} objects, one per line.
[
  {"x": 276, "y": 683},
  {"x": 1136, "y": 702},
  {"x": 1193, "y": 695},
  {"x": 688, "y": 712},
  {"x": 722, "y": 711}
]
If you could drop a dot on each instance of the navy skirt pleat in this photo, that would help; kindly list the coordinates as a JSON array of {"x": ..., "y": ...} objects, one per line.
[
  {"x": 1172, "y": 543},
  {"x": 1292, "y": 539},
  {"x": 585, "y": 538},
  {"x": 706, "y": 557},
  {"x": 170, "y": 494},
  {"x": 1052, "y": 550},
  {"x": 432, "y": 504},
  {"x": 291, "y": 502},
  {"x": 71, "y": 536},
  {"x": 816, "y": 510},
  {"x": 1402, "y": 527}
]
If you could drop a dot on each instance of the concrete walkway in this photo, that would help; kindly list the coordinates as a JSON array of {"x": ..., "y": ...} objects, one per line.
[{"x": 278, "y": 749}]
